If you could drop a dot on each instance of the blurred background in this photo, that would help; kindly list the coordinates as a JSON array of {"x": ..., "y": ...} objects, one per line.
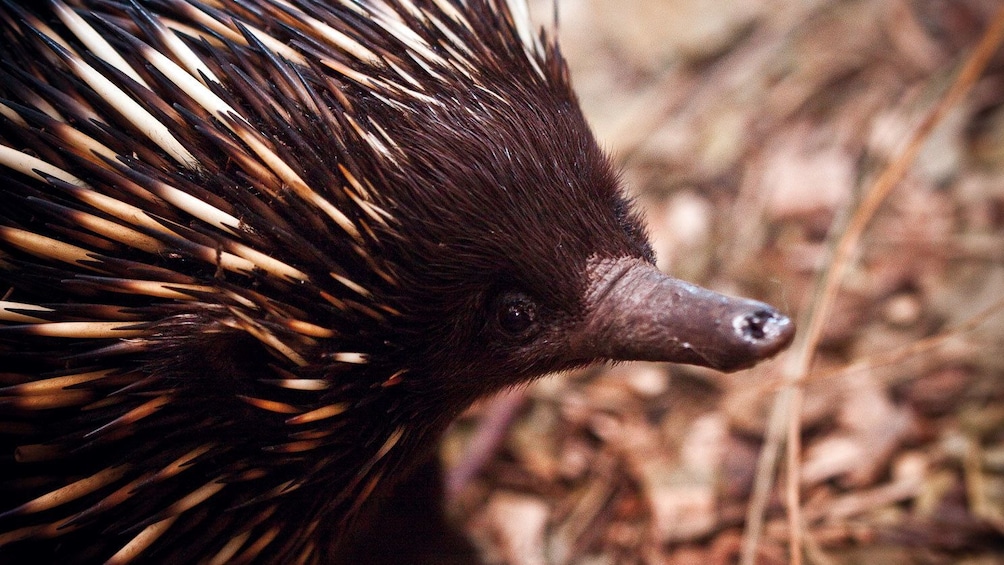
[{"x": 747, "y": 131}]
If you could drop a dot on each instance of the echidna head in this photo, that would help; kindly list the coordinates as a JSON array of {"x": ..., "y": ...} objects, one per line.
[{"x": 521, "y": 255}]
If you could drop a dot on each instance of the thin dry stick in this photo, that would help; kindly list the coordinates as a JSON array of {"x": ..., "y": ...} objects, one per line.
[
  {"x": 892, "y": 356},
  {"x": 912, "y": 349},
  {"x": 797, "y": 365}
]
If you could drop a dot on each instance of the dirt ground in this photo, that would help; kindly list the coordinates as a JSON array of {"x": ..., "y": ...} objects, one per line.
[{"x": 751, "y": 132}]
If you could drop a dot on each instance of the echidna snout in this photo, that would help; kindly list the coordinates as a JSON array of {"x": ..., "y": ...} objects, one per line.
[{"x": 638, "y": 313}]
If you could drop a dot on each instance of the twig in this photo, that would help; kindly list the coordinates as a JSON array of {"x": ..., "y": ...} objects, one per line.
[
  {"x": 911, "y": 349},
  {"x": 485, "y": 441},
  {"x": 891, "y": 356},
  {"x": 797, "y": 364}
]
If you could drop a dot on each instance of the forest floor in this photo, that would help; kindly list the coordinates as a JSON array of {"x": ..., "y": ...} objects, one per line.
[{"x": 758, "y": 137}]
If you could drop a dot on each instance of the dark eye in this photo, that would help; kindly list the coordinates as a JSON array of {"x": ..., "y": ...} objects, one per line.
[{"x": 516, "y": 314}]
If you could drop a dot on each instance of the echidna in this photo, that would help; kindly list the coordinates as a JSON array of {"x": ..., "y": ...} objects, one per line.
[{"x": 255, "y": 255}]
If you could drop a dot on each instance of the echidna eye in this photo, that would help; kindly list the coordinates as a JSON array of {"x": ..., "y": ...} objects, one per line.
[{"x": 516, "y": 314}]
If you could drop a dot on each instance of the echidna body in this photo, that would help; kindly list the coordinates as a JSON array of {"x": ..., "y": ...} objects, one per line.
[{"x": 255, "y": 256}]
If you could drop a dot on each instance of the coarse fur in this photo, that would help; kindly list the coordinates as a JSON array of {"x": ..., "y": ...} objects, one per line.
[{"x": 255, "y": 255}]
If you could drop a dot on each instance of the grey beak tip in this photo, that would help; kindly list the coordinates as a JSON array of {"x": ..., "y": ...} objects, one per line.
[
  {"x": 764, "y": 330},
  {"x": 765, "y": 326}
]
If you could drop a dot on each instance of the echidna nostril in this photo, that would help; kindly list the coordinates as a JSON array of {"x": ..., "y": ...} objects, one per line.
[
  {"x": 755, "y": 323},
  {"x": 763, "y": 326}
]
